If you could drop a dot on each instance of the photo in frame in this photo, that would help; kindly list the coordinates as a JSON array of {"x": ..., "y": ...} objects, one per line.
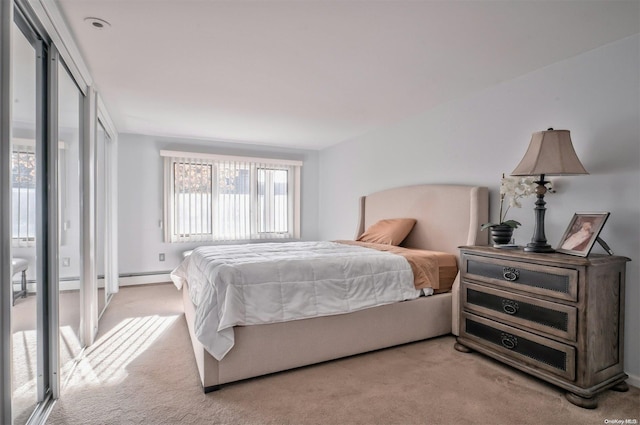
[{"x": 582, "y": 233}]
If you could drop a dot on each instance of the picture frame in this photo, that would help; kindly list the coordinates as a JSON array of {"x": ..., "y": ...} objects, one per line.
[{"x": 582, "y": 233}]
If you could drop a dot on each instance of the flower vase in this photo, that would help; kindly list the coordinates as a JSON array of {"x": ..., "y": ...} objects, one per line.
[{"x": 501, "y": 234}]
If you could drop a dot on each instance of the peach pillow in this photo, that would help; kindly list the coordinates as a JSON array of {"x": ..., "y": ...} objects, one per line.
[{"x": 391, "y": 231}]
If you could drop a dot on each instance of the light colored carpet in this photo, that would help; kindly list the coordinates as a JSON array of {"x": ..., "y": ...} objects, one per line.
[{"x": 142, "y": 371}]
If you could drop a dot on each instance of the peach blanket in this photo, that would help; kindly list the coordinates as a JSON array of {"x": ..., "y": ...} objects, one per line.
[{"x": 431, "y": 269}]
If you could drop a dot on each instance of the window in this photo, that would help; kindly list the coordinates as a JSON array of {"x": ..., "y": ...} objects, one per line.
[
  {"x": 23, "y": 194},
  {"x": 223, "y": 198}
]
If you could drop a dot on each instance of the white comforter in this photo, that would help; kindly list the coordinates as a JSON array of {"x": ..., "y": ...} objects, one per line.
[{"x": 276, "y": 282}]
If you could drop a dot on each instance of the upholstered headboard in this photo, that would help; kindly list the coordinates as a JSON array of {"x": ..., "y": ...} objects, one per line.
[{"x": 448, "y": 216}]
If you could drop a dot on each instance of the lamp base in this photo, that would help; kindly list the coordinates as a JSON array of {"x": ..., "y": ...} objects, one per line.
[
  {"x": 538, "y": 247},
  {"x": 539, "y": 241}
]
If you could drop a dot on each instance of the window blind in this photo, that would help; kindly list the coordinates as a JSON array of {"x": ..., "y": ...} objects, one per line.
[
  {"x": 224, "y": 198},
  {"x": 23, "y": 195}
]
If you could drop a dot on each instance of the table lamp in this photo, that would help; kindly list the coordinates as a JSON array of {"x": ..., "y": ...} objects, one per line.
[{"x": 550, "y": 153}]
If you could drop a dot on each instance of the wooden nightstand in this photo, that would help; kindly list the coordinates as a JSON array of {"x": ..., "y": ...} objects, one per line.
[{"x": 555, "y": 316}]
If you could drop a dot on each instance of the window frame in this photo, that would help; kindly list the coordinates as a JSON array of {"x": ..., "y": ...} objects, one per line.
[{"x": 253, "y": 164}]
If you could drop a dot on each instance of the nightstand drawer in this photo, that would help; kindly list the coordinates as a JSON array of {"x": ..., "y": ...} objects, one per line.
[
  {"x": 539, "y": 315},
  {"x": 531, "y": 349},
  {"x": 554, "y": 282}
]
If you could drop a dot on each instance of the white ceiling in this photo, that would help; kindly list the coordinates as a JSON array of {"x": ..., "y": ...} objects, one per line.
[{"x": 310, "y": 74}]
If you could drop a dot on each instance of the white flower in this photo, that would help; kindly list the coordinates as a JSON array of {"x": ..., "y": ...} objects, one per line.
[{"x": 515, "y": 188}]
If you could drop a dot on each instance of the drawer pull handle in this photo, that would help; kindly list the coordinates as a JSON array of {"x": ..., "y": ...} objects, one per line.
[
  {"x": 510, "y": 274},
  {"x": 509, "y": 306},
  {"x": 509, "y": 341}
]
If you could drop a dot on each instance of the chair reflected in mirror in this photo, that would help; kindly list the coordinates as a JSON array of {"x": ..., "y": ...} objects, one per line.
[{"x": 19, "y": 265}]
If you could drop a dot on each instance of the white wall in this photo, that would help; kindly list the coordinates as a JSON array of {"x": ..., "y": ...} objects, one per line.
[
  {"x": 474, "y": 140},
  {"x": 140, "y": 196}
]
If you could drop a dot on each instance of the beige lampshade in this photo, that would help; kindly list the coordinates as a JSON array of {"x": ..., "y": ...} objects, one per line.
[{"x": 551, "y": 153}]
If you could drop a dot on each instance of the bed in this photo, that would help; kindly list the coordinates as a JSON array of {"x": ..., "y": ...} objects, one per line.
[{"x": 446, "y": 217}]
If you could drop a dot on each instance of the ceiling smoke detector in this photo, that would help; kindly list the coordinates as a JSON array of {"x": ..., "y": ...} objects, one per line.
[{"x": 97, "y": 23}]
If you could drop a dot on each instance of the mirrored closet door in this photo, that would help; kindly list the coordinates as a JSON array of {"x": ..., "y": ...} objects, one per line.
[
  {"x": 26, "y": 155},
  {"x": 70, "y": 286},
  {"x": 56, "y": 156},
  {"x": 106, "y": 212},
  {"x": 104, "y": 295},
  {"x": 45, "y": 214}
]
